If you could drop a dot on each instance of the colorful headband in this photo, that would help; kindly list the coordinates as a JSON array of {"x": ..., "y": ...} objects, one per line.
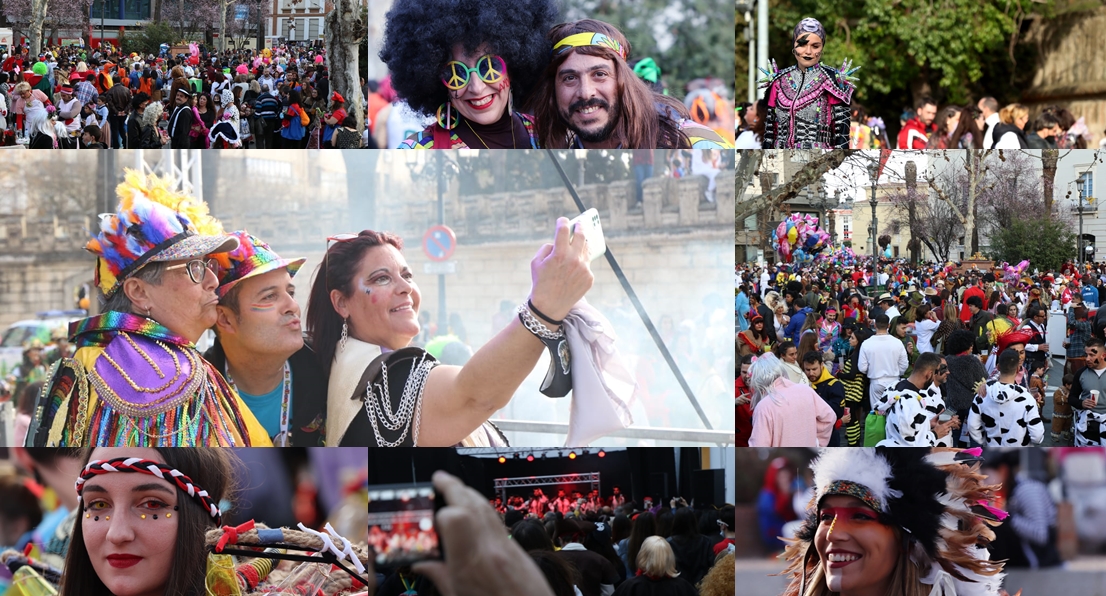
[
  {"x": 145, "y": 466},
  {"x": 589, "y": 39}
]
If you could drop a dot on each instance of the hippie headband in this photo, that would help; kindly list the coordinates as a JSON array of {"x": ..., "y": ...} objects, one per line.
[
  {"x": 590, "y": 39},
  {"x": 145, "y": 466}
]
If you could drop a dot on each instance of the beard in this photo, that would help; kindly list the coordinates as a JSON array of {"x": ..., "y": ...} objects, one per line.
[{"x": 593, "y": 136}]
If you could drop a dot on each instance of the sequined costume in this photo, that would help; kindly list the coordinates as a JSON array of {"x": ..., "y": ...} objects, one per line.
[
  {"x": 808, "y": 109},
  {"x": 134, "y": 382}
]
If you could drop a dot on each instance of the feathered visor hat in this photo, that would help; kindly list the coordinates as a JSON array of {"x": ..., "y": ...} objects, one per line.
[
  {"x": 152, "y": 223},
  {"x": 936, "y": 497}
]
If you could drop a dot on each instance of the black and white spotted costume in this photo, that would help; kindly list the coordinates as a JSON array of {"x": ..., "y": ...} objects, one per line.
[
  {"x": 908, "y": 415},
  {"x": 1006, "y": 416}
]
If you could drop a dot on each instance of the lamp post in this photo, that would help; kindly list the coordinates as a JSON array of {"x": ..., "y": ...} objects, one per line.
[
  {"x": 1080, "y": 183},
  {"x": 833, "y": 224},
  {"x": 873, "y": 173}
]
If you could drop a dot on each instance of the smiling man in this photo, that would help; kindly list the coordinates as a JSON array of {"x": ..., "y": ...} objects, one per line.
[
  {"x": 589, "y": 98},
  {"x": 259, "y": 344}
]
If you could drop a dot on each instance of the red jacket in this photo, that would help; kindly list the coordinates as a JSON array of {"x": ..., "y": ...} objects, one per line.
[
  {"x": 965, "y": 314},
  {"x": 914, "y": 135},
  {"x": 744, "y": 414}
]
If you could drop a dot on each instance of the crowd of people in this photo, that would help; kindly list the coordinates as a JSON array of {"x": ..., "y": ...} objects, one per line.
[
  {"x": 810, "y": 105},
  {"x": 622, "y": 547},
  {"x": 154, "y": 521},
  {"x": 73, "y": 97},
  {"x": 494, "y": 74},
  {"x": 932, "y": 355}
]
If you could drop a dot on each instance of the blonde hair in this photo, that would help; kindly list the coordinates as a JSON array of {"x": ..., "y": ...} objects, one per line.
[
  {"x": 21, "y": 87},
  {"x": 719, "y": 581},
  {"x": 656, "y": 558},
  {"x": 1012, "y": 112}
]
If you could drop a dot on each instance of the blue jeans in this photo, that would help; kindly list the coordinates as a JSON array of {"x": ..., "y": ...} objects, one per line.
[{"x": 641, "y": 172}]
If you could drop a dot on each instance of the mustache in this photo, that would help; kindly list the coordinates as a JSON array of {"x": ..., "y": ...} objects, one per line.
[{"x": 587, "y": 103}]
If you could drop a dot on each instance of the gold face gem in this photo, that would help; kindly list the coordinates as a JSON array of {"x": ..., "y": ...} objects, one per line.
[
  {"x": 143, "y": 516},
  {"x": 168, "y": 515}
]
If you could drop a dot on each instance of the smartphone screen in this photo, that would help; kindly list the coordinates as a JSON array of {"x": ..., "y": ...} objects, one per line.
[{"x": 401, "y": 524}]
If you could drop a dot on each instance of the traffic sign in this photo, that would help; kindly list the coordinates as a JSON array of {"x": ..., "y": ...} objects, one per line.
[
  {"x": 440, "y": 268},
  {"x": 438, "y": 243}
]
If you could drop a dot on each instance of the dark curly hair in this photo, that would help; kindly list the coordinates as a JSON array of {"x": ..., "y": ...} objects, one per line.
[{"x": 419, "y": 36}]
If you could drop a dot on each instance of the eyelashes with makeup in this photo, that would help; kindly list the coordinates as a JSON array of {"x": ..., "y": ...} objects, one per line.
[
  {"x": 383, "y": 280},
  {"x": 828, "y": 517},
  {"x": 148, "y": 505}
]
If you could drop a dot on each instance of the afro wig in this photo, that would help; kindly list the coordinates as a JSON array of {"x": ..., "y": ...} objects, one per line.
[{"x": 419, "y": 36}]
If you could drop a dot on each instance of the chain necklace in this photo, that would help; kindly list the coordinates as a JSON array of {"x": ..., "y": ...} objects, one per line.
[
  {"x": 282, "y": 439},
  {"x": 378, "y": 405},
  {"x": 514, "y": 143}
]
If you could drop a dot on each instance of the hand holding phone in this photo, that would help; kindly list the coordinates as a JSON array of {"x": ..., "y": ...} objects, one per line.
[
  {"x": 401, "y": 524},
  {"x": 592, "y": 230}
]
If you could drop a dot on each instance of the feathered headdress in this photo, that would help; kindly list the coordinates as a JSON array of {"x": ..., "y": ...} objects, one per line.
[
  {"x": 936, "y": 497},
  {"x": 152, "y": 223}
]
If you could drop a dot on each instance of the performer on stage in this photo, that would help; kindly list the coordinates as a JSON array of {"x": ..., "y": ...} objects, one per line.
[{"x": 808, "y": 104}]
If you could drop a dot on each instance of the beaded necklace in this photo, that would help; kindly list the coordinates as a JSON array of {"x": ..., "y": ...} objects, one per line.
[{"x": 283, "y": 439}]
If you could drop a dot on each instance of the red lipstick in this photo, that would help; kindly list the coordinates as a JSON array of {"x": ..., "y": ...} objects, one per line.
[{"x": 123, "y": 561}]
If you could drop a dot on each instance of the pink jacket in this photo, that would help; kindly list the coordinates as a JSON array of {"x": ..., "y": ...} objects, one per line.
[{"x": 792, "y": 416}]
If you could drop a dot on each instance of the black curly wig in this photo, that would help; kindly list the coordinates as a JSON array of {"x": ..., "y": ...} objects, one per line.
[{"x": 419, "y": 36}]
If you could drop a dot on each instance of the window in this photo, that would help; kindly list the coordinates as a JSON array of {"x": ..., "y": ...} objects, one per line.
[
  {"x": 1086, "y": 198},
  {"x": 268, "y": 169},
  {"x": 137, "y": 10},
  {"x": 286, "y": 28},
  {"x": 313, "y": 26},
  {"x": 751, "y": 222}
]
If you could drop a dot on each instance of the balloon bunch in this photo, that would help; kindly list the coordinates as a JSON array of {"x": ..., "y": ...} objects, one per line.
[
  {"x": 798, "y": 238},
  {"x": 1013, "y": 274}
]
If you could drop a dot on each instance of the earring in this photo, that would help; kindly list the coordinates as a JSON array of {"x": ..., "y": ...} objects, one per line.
[
  {"x": 510, "y": 104},
  {"x": 450, "y": 119},
  {"x": 148, "y": 315},
  {"x": 345, "y": 334}
]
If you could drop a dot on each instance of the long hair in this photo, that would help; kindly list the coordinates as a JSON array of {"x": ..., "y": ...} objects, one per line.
[
  {"x": 646, "y": 119},
  {"x": 209, "y": 469},
  {"x": 645, "y": 525},
  {"x": 324, "y": 324},
  {"x": 967, "y": 126},
  {"x": 803, "y": 557}
]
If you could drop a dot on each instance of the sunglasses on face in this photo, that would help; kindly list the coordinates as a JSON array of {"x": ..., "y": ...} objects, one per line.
[
  {"x": 197, "y": 269},
  {"x": 490, "y": 68}
]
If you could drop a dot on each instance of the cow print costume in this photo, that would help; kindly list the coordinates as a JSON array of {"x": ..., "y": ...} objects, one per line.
[
  {"x": 1007, "y": 416},
  {"x": 1089, "y": 427},
  {"x": 908, "y": 418}
]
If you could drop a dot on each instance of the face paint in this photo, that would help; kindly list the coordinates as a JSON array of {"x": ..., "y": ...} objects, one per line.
[
  {"x": 802, "y": 41},
  {"x": 263, "y": 307}
]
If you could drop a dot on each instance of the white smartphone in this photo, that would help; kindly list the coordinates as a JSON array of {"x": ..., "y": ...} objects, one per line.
[{"x": 592, "y": 231}]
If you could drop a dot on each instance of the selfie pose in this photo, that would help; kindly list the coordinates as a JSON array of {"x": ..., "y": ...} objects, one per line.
[
  {"x": 808, "y": 104},
  {"x": 897, "y": 522},
  {"x": 363, "y": 314}
]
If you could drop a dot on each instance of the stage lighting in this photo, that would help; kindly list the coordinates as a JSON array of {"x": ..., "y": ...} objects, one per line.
[
  {"x": 530, "y": 457},
  {"x": 502, "y": 459},
  {"x": 571, "y": 455},
  {"x": 602, "y": 453}
]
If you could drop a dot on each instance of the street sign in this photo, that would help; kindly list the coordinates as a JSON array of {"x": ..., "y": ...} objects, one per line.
[
  {"x": 440, "y": 268},
  {"x": 438, "y": 243}
]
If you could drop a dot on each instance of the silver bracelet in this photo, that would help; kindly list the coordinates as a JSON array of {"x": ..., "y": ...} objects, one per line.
[{"x": 533, "y": 325}]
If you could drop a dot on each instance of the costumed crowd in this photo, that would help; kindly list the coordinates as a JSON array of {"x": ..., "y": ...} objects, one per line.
[
  {"x": 72, "y": 97},
  {"x": 844, "y": 353},
  {"x": 810, "y": 105},
  {"x": 590, "y": 546},
  {"x": 501, "y": 75},
  {"x": 139, "y": 520},
  {"x": 167, "y": 273}
]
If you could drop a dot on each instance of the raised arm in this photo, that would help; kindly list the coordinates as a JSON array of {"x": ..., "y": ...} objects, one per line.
[{"x": 459, "y": 399}]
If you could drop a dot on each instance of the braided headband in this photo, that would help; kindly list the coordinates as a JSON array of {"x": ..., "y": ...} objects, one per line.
[
  {"x": 589, "y": 39},
  {"x": 145, "y": 466}
]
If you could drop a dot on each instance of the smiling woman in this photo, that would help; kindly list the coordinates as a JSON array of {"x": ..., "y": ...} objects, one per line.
[
  {"x": 470, "y": 64},
  {"x": 363, "y": 314},
  {"x": 896, "y": 522},
  {"x": 140, "y": 533}
]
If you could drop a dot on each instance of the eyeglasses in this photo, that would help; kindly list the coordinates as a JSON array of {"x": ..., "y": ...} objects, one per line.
[
  {"x": 197, "y": 269},
  {"x": 326, "y": 265},
  {"x": 490, "y": 68}
]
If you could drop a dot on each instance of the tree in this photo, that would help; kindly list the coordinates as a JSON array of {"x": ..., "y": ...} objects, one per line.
[
  {"x": 149, "y": 39},
  {"x": 1045, "y": 241},
  {"x": 56, "y": 15},
  {"x": 191, "y": 19},
  {"x": 345, "y": 31},
  {"x": 933, "y": 222},
  {"x": 952, "y": 50}
]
